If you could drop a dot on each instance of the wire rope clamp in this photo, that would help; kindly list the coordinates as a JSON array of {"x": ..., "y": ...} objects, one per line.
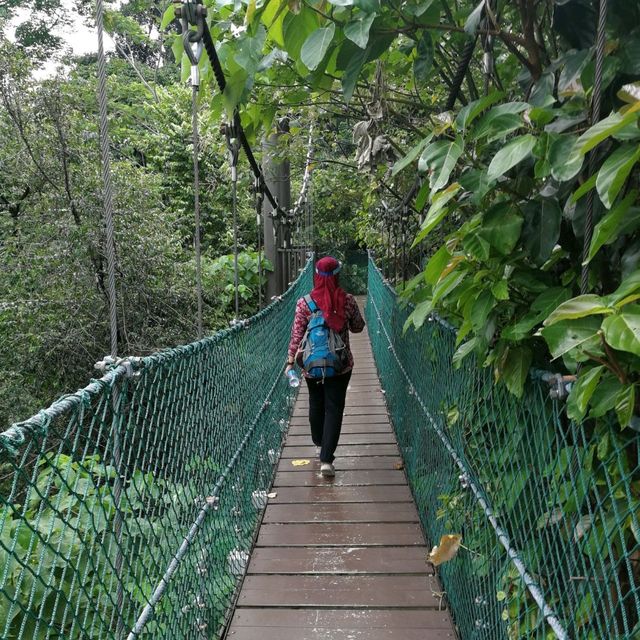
[
  {"x": 560, "y": 385},
  {"x": 131, "y": 365}
]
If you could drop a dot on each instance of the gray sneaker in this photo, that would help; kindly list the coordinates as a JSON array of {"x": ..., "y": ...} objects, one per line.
[{"x": 327, "y": 470}]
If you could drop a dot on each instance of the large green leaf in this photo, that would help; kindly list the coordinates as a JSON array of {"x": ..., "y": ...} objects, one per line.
[
  {"x": 168, "y": 17},
  {"x": 567, "y": 335},
  {"x": 607, "y": 127},
  {"x": 476, "y": 246},
  {"x": 575, "y": 62},
  {"x": 439, "y": 159},
  {"x": 480, "y": 310},
  {"x": 475, "y": 181},
  {"x": 541, "y": 228},
  {"x": 440, "y": 199},
  {"x": 463, "y": 351},
  {"x": 296, "y": 28},
  {"x": 541, "y": 307},
  {"x": 588, "y": 304},
  {"x": 316, "y": 46},
  {"x": 358, "y": 30},
  {"x": 609, "y": 227},
  {"x": 565, "y": 158},
  {"x": 501, "y": 227},
  {"x": 515, "y": 369},
  {"x": 411, "y": 155},
  {"x": 500, "y": 120},
  {"x": 630, "y": 285},
  {"x": 614, "y": 172},
  {"x": 436, "y": 265},
  {"x": 582, "y": 391},
  {"x": 622, "y": 331},
  {"x": 625, "y": 405},
  {"x": 420, "y": 314},
  {"x": 508, "y": 157},
  {"x": 496, "y": 127},
  {"x": 583, "y": 189},
  {"x": 351, "y": 59},
  {"x": 605, "y": 395},
  {"x": 471, "y": 111},
  {"x": 430, "y": 222}
]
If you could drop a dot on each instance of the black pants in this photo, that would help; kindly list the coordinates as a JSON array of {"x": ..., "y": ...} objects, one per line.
[{"x": 326, "y": 406}]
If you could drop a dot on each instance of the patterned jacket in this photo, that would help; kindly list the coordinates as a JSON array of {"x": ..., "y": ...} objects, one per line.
[{"x": 354, "y": 323}]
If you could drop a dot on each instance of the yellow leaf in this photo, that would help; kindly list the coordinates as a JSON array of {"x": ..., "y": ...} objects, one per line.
[
  {"x": 453, "y": 263},
  {"x": 300, "y": 463},
  {"x": 446, "y": 550}
]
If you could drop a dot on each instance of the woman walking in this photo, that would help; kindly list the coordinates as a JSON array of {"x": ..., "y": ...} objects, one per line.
[{"x": 328, "y": 385}]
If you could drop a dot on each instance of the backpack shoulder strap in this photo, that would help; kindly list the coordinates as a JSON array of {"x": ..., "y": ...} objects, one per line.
[{"x": 310, "y": 303}]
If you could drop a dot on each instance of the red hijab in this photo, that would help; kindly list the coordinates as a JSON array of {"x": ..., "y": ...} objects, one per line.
[{"x": 327, "y": 293}]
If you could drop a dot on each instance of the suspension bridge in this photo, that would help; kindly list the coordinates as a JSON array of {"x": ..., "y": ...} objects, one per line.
[
  {"x": 155, "y": 500},
  {"x": 177, "y": 496}
]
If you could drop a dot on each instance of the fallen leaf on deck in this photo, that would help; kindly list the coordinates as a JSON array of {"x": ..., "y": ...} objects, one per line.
[
  {"x": 300, "y": 463},
  {"x": 399, "y": 466},
  {"x": 272, "y": 495},
  {"x": 446, "y": 550}
]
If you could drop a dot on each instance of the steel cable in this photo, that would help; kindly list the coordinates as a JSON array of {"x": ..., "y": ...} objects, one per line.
[
  {"x": 196, "y": 204},
  {"x": 595, "y": 116}
]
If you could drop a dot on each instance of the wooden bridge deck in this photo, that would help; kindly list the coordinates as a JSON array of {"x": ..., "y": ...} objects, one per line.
[{"x": 342, "y": 558}]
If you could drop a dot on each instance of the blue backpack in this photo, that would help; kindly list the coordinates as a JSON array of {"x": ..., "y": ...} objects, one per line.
[{"x": 324, "y": 353}]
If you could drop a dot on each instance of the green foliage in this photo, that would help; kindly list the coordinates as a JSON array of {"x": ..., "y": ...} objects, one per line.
[
  {"x": 565, "y": 491},
  {"x": 219, "y": 280}
]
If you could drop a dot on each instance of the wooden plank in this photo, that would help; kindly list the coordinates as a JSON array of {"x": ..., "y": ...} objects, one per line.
[
  {"x": 338, "y": 591},
  {"x": 325, "y": 633},
  {"x": 350, "y": 478},
  {"x": 363, "y": 619},
  {"x": 345, "y": 560},
  {"x": 346, "y": 451},
  {"x": 321, "y": 534},
  {"x": 347, "y": 439},
  {"x": 342, "y": 512},
  {"x": 303, "y": 429},
  {"x": 348, "y": 410},
  {"x": 341, "y": 464},
  {"x": 376, "y": 419},
  {"x": 362, "y": 400},
  {"x": 330, "y": 493}
]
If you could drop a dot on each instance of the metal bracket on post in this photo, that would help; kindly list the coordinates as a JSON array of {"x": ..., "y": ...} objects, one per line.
[
  {"x": 258, "y": 188},
  {"x": 232, "y": 137}
]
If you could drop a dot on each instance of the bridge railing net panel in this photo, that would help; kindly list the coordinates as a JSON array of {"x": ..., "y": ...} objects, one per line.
[
  {"x": 565, "y": 497},
  {"x": 173, "y": 455}
]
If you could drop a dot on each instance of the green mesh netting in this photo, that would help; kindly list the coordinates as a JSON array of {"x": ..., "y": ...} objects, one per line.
[
  {"x": 512, "y": 474},
  {"x": 158, "y": 470}
]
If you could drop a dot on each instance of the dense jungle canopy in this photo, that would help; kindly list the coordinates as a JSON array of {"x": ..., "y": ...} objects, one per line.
[{"x": 454, "y": 138}]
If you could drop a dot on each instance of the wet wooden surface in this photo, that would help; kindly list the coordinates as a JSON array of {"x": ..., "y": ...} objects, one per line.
[{"x": 342, "y": 558}]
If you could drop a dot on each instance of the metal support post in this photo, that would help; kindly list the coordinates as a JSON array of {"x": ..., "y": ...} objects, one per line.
[{"x": 276, "y": 170}]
